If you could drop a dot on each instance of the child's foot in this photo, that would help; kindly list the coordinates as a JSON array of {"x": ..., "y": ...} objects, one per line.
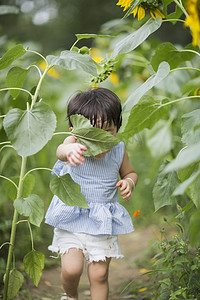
[{"x": 65, "y": 297}]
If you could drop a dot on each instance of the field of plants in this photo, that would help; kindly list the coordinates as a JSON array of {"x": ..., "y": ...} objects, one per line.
[{"x": 158, "y": 82}]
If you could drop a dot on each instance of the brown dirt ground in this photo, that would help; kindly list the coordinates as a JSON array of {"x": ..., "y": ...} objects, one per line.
[{"x": 133, "y": 247}]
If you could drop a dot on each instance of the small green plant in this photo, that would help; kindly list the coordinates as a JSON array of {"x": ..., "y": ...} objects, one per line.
[{"x": 176, "y": 270}]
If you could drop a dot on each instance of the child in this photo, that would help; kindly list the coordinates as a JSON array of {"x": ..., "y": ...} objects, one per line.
[{"x": 92, "y": 233}]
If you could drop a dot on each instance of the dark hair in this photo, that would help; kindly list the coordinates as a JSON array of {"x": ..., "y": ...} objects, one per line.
[{"x": 94, "y": 104}]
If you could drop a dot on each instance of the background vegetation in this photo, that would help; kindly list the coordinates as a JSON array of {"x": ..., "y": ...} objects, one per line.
[{"x": 49, "y": 27}]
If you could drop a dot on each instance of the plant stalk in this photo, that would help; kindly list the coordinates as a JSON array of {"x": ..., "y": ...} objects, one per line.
[{"x": 13, "y": 229}]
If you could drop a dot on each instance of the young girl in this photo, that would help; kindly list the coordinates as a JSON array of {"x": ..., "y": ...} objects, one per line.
[{"x": 92, "y": 233}]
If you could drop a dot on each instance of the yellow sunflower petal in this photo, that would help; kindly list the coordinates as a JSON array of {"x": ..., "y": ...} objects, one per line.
[
  {"x": 114, "y": 79},
  {"x": 134, "y": 12},
  {"x": 158, "y": 13},
  {"x": 141, "y": 13}
]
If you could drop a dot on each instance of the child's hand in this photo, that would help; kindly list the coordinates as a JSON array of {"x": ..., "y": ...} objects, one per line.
[
  {"x": 126, "y": 188},
  {"x": 74, "y": 154}
]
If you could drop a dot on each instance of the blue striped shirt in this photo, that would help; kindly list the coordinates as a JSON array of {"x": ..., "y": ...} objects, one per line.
[{"x": 97, "y": 179}]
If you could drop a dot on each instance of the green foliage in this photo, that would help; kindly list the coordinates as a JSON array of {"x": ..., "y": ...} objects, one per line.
[
  {"x": 164, "y": 187},
  {"x": 15, "y": 283},
  {"x": 96, "y": 140},
  {"x": 176, "y": 270},
  {"x": 71, "y": 60},
  {"x": 68, "y": 191},
  {"x": 32, "y": 207},
  {"x": 167, "y": 52},
  {"x": 34, "y": 264},
  {"x": 134, "y": 39},
  {"x": 11, "y": 55},
  {"x": 15, "y": 79},
  {"x": 145, "y": 114},
  {"x": 11, "y": 191},
  {"x": 22, "y": 127}
]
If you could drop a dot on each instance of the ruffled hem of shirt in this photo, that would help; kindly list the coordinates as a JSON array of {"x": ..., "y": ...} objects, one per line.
[{"x": 100, "y": 218}]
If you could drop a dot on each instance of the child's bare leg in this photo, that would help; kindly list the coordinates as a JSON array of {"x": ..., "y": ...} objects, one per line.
[
  {"x": 72, "y": 268},
  {"x": 98, "y": 276}
]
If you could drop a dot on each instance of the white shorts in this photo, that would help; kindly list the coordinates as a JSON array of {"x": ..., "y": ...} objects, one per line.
[{"x": 94, "y": 247}]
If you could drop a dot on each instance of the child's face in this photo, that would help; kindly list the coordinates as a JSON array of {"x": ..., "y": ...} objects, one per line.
[{"x": 111, "y": 128}]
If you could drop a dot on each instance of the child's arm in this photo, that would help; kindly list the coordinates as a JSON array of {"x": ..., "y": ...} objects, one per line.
[
  {"x": 128, "y": 178},
  {"x": 71, "y": 151}
]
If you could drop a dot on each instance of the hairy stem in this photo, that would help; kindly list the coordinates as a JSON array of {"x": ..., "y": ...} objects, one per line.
[
  {"x": 180, "y": 5},
  {"x": 13, "y": 229}
]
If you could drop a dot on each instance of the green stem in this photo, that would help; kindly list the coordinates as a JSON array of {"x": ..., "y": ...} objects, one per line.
[
  {"x": 23, "y": 90},
  {"x": 172, "y": 20},
  {"x": 3, "y": 143},
  {"x": 58, "y": 133},
  {"x": 181, "y": 7},
  {"x": 34, "y": 99},
  {"x": 74, "y": 44},
  {"x": 36, "y": 169},
  {"x": 180, "y": 99},
  {"x": 31, "y": 234},
  {"x": 37, "y": 53},
  {"x": 6, "y": 243},
  {"x": 13, "y": 230},
  {"x": 189, "y": 50},
  {"x": 185, "y": 68},
  {"x": 38, "y": 70},
  {"x": 1, "y": 176}
]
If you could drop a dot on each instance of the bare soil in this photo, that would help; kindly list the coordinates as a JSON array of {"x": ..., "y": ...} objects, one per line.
[{"x": 122, "y": 271}]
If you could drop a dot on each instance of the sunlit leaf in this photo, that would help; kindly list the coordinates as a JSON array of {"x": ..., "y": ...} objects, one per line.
[
  {"x": 8, "y": 9},
  {"x": 159, "y": 139},
  {"x": 162, "y": 72},
  {"x": 11, "y": 55},
  {"x": 16, "y": 280},
  {"x": 144, "y": 115},
  {"x": 34, "y": 264},
  {"x": 164, "y": 187},
  {"x": 134, "y": 39},
  {"x": 174, "y": 57},
  {"x": 191, "y": 127},
  {"x": 180, "y": 190},
  {"x": 22, "y": 128},
  {"x": 71, "y": 60},
  {"x": 28, "y": 185},
  {"x": 194, "y": 228},
  {"x": 186, "y": 157},
  {"x": 96, "y": 140},
  {"x": 68, "y": 191},
  {"x": 31, "y": 207},
  {"x": 15, "y": 79}
]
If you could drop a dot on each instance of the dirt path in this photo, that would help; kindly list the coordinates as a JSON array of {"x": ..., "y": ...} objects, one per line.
[{"x": 122, "y": 271}]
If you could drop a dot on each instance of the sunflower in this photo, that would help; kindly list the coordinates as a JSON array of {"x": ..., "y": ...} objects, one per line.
[
  {"x": 153, "y": 6},
  {"x": 193, "y": 20}
]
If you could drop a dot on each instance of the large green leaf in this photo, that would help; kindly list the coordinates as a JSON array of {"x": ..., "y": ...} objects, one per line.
[
  {"x": 71, "y": 60},
  {"x": 187, "y": 156},
  {"x": 134, "y": 39},
  {"x": 162, "y": 72},
  {"x": 8, "y": 9},
  {"x": 30, "y": 130},
  {"x": 34, "y": 264},
  {"x": 191, "y": 127},
  {"x": 28, "y": 185},
  {"x": 164, "y": 187},
  {"x": 16, "y": 280},
  {"x": 194, "y": 228},
  {"x": 144, "y": 115},
  {"x": 159, "y": 139},
  {"x": 167, "y": 52},
  {"x": 15, "y": 79},
  {"x": 68, "y": 191},
  {"x": 96, "y": 140},
  {"x": 11, "y": 55},
  {"x": 31, "y": 207}
]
